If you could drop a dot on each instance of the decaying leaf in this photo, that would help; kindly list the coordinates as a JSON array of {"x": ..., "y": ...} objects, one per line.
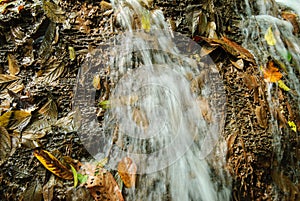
[
  {"x": 52, "y": 164},
  {"x": 101, "y": 183},
  {"x": 54, "y": 12},
  {"x": 13, "y": 65},
  {"x": 48, "y": 189},
  {"x": 55, "y": 68},
  {"x": 5, "y": 145},
  {"x": 46, "y": 46},
  {"x": 271, "y": 73},
  {"x": 239, "y": 64},
  {"x": 127, "y": 171},
  {"x": 16, "y": 119},
  {"x": 140, "y": 118},
  {"x": 269, "y": 36}
]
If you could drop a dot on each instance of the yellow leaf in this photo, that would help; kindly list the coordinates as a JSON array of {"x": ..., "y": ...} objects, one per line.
[
  {"x": 269, "y": 36},
  {"x": 283, "y": 86},
  {"x": 72, "y": 53},
  {"x": 52, "y": 164},
  {"x": 127, "y": 171},
  {"x": 146, "y": 25},
  {"x": 292, "y": 126}
]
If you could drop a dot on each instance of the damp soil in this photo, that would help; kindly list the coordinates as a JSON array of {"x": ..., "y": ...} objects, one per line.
[{"x": 43, "y": 46}]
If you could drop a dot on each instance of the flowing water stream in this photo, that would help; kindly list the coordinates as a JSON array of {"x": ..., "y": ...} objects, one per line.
[{"x": 166, "y": 109}]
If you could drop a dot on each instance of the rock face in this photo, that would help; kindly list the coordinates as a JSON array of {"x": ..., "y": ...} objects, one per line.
[{"x": 42, "y": 37}]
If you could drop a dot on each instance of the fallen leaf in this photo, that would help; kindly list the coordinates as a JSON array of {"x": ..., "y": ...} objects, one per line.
[
  {"x": 145, "y": 21},
  {"x": 105, "y": 5},
  {"x": 16, "y": 119},
  {"x": 271, "y": 73},
  {"x": 96, "y": 82},
  {"x": 269, "y": 36},
  {"x": 54, "y": 12},
  {"x": 292, "y": 126},
  {"x": 6, "y": 80},
  {"x": 34, "y": 191},
  {"x": 75, "y": 176},
  {"x": 48, "y": 189},
  {"x": 52, "y": 164},
  {"x": 283, "y": 86},
  {"x": 292, "y": 18},
  {"x": 72, "y": 53},
  {"x": 261, "y": 116},
  {"x": 239, "y": 64},
  {"x": 13, "y": 65},
  {"x": 5, "y": 145},
  {"x": 140, "y": 118},
  {"x": 127, "y": 171}
]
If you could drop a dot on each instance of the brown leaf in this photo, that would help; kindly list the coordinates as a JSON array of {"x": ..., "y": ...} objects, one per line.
[
  {"x": 52, "y": 164},
  {"x": 239, "y": 64},
  {"x": 102, "y": 184},
  {"x": 6, "y": 80},
  {"x": 261, "y": 116},
  {"x": 13, "y": 65},
  {"x": 250, "y": 81},
  {"x": 271, "y": 73},
  {"x": 127, "y": 171},
  {"x": 237, "y": 50},
  {"x": 34, "y": 191},
  {"x": 5, "y": 145},
  {"x": 292, "y": 18}
]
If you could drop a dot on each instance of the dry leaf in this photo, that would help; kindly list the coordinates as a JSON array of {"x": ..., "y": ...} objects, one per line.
[
  {"x": 48, "y": 189},
  {"x": 271, "y": 73},
  {"x": 269, "y": 36},
  {"x": 72, "y": 53},
  {"x": 13, "y": 65},
  {"x": 34, "y": 191},
  {"x": 52, "y": 164},
  {"x": 127, "y": 171},
  {"x": 96, "y": 82},
  {"x": 239, "y": 64},
  {"x": 5, "y": 145}
]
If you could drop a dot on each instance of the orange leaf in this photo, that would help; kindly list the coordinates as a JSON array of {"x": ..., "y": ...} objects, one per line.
[
  {"x": 271, "y": 73},
  {"x": 52, "y": 164},
  {"x": 127, "y": 171}
]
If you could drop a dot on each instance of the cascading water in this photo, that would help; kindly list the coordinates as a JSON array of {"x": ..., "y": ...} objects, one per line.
[
  {"x": 166, "y": 109},
  {"x": 260, "y": 17}
]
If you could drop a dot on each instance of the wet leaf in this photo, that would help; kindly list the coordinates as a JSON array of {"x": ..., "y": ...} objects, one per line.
[
  {"x": 46, "y": 46},
  {"x": 17, "y": 119},
  {"x": 72, "y": 53},
  {"x": 7, "y": 79},
  {"x": 52, "y": 164},
  {"x": 292, "y": 126},
  {"x": 269, "y": 36},
  {"x": 140, "y": 118},
  {"x": 271, "y": 73},
  {"x": 13, "y": 65},
  {"x": 145, "y": 21},
  {"x": 54, "y": 12},
  {"x": 282, "y": 85},
  {"x": 5, "y": 145},
  {"x": 127, "y": 171},
  {"x": 34, "y": 191}
]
